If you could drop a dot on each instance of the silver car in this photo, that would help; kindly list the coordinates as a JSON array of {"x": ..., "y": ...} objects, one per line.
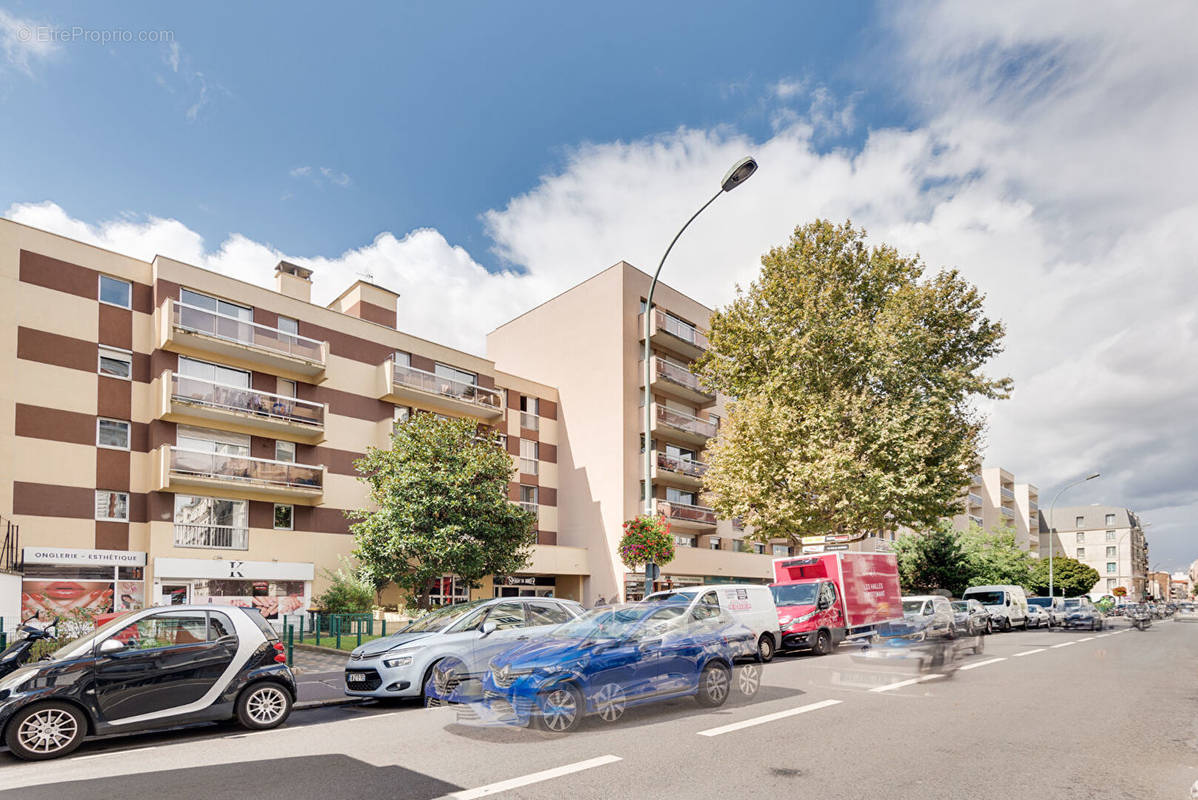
[
  {"x": 1038, "y": 616},
  {"x": 464, "y": 635}
]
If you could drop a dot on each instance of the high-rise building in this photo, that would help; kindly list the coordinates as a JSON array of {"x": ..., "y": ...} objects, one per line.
[
  {"x": 994, "y": 501},
  {"x": 1108, "y": 538}
]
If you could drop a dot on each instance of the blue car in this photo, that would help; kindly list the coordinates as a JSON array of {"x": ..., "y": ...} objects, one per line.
[{"x": 616, "y": 657}]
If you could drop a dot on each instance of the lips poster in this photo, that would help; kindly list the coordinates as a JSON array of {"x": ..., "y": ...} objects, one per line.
[{"x": 49, "y": 598}]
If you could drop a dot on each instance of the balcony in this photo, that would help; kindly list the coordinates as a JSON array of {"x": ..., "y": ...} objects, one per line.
[
  {"x": 678, "y": 426},
  {"x": 976, "y": 520},
  {"x": 677, "y": 470},
  {"x": 406, "y": 385},
  {"x": 1007, "y": 494},
  {"x": 684, "y": 516},
  {"x": 672, "y": 380},
  {"x": 529, "y": 506},
  {"x": 181, "y": 398},
  {"x": 670, "y": 333},
  {"x": 212, "y": 537},
  {"x": 1006, "y": 512},
  {"x": 180, "y": 469},
  {"x": 975, "y": 500},
  {"x": 191, "y": 330}
]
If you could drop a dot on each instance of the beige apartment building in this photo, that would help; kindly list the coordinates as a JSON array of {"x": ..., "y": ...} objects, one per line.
[
  {"x": 171, "y": 434},
  {"x": 1109, "y": 539},
  {"x": 994, "y": 501},
  {"x": 587, "y": 342}
]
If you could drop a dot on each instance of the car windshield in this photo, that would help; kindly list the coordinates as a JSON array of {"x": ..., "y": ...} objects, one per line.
[
  {"x": 795, "y": 594},
  {"x": 989, "y": 598},
  {"x": 603, "y": 623},
  {"x": 1040, "y": 602},
  {"x": 1073, "y": 605},
  {"x": 662, "y": 597},
  {"x": 960, "y": 605},
  {"x": 99, "y": 634},
  {"x": 439, "y": 618},
  {"x": 914, "y": 608}
]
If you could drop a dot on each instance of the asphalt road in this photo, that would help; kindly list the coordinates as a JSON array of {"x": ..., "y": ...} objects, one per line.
[{"x": 1038, "y": 714}]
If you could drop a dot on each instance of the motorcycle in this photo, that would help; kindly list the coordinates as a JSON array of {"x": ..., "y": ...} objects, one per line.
[
  {"x": 1141, "y": 619},
  {"x": 17, "y": 653}
]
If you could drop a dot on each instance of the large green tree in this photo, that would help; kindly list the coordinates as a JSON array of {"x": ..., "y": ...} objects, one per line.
[
  {"x": 1070, "y": 577},
  {"x": 441, "y": 508},
  {"x": 994, "y": 558},
  {"x": 853, "y": 378},
  {"x": 932, "y": 560}
]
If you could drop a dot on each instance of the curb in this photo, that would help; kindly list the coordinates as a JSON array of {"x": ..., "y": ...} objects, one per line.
[{"x": 336, "y": 701}]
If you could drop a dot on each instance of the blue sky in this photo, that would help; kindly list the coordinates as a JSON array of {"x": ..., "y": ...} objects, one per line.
[{"x": 480, "y": 157}]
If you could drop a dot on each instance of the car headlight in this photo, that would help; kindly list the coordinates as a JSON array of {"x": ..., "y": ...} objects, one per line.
[
  {"x": 785, "y": 620},
  {"x": 397, "y": 661}
]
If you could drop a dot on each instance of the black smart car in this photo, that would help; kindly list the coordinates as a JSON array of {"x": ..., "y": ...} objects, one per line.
[{"x": 147, "y": 669}]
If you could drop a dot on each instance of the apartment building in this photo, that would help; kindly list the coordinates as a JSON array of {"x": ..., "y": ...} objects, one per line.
[
  {"x": 588, "y": 342},
  {"x": 994, "y": 501},
  {"x": 1108, "y": 538},
  {"x": 172, "y": 434}
]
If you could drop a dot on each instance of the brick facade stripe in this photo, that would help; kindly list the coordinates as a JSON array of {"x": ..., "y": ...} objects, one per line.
[
  {"x": 57, "y": 350},
  {"x": 37, "y": 422},
  {"x": 47, "y": 500}
]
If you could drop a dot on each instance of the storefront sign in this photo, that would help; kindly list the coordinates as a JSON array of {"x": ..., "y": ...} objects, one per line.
[
  {"x": 831, "y": 547},
  {"x": 167, "y": 568},
  {"x": 813, "y": 548},
  {"x": 840, "y": 537},
  {"x": 525, "y": 580},
  {"x": 812, "y": 540},
  {"x": 84, "y": 558}
]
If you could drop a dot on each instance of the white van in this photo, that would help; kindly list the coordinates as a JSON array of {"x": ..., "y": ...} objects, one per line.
[
  {"x": 1006, "y": 603},
  {"x": 750, "y": 604}
]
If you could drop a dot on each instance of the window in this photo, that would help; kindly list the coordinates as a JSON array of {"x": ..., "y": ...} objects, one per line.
[
  {"x": 1110, "y": 519},
  {"x": 530, "y": 454},
  {"x": 530, "y": 404},
  {"x": 216, "y": 373},
  {"x": 684, "y": 541},
  {"x": 780, "y": 550},
  {"x": 1081, "y": 552},
  {"x": 403, "y": 359},
  {"x": 211, "y": 512},
  {"x": 285, "y": 451},
  {"x": 223, "y": 307},
  {"x": 1110, "y": 536},
  {"x": 1081, "y": 537},
  {"x": 546, "y": 614},
  {"x": 112, "y": 506},
  {"x": 286, "y": 388},
  {"x": 402, "y": 414},
  {"x": 1111, "y": 567},
  {"x": 112, "y": 433},
  {"x": 528, "y": 495},
  {"x": 165, "y": 630},
  {"x": 115, "y": 363},
  {"x": 1110, "y": 552},
  {"x": 455, "y": 374},
  {"x": 284, "y": 517},
  {"x": 219, "y": 626},
  {"x": 530, "y": 408},
  {"x": 448, "y": 589},
  {"x": 714, "y": 543},
  {"x": 1079, "y": 522},
  {"x": 759, "y": 548},
  {"x": 288, "y": 325},
  {"x": 678, "y": 496},
  {"x": 205, "y": 440},
  {"x": 116, "y": 292}
]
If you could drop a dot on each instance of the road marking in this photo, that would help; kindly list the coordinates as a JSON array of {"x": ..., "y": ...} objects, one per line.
[
  {"x": 109, "y": 753},
  {"x": 536, "y": 777},
  {"x": 1063, "y": 644},
  {"x": 899, "y": 685},
  {"x": 1029, "y": 652},
  {"x": 748, "y": 723},
  {"x": 1087, "y": 639},
  {"x": 1103, "y": 635},
  {"x": 977, "y": 664}
]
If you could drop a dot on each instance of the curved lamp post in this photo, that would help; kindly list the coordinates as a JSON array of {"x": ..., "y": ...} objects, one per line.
[
  {"x": 738, "y": 174},
  {"x": 1052, "y": 523}
]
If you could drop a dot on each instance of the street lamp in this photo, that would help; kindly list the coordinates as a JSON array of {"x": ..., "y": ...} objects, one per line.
[
  {"x": 1052, "y": 523},
  {"x": 740, "y": 172}
]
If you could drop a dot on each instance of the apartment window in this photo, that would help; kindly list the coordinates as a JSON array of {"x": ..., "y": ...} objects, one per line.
[
  {"x": 676, "y": 496},
  {"x": 206, "y": 440},
  {"x": 222, "y": 307},
  {"x": 284, "y": 517},
  {"x": 115, "y": 363},
  {"x": 1111, "y": 566},
  {"x": 112, "y": 506},
  {"x": 216, "y": 373},
  {"x": 530, "y": 454},
  {"x": 455, "y": 374},
  {"x": 780, "y": 550},
  {"x": 285, "y": 451},
  {"x": 288, "y": 325},
  {"x": 1110, "y": 536},
  {"x": 759, "y": 548},
  {"x": 1081, "y": 552},
  {"x": 1081, "y": 537},
  {"x": 1110, "y": 552},
  {"x": 116, "y": 292},
  {"x": 529, "y": 495},
  {"x": 286, "y": 388},
  {"x": 402, "y": 414},
  {"x": 1079, "y": 522},
  {"x": 684, "y": 541},
  {"x": 714, "y": 543},
  {"x": 113, "y": 433},
  {"x": 1110, "y": 519},
  {"x": 530, "y": 409}
]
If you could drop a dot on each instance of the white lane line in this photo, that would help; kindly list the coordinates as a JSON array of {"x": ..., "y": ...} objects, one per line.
[
  {"x": 527, "y": 780},
  {"x": 1063, "y": 644},
  {"x": 1087, "y": 639},
  {"x": 1103, "y": 635},
  {"x": 899, "y": 685},
  {"x": 1029, "y": 652},
  {"x": 977, "y": 664},
  {"x": 748, "y": 723}
]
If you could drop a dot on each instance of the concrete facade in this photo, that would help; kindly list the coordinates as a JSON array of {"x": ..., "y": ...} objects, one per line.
[
  {"x": 1108, "y": 538},
  {"x": 994, "y": 501}
]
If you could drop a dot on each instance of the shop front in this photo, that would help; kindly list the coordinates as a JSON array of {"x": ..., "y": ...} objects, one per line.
[
  {"x": 634, "y": 583},
  {"x": 275, "y": 588},
  {"x": 524, "y": 586},
  {"x": 59, "y": 581}
]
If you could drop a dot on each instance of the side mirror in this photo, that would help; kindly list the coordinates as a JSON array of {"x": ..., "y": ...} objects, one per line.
[
  {"x": 489, "y": 627},
  {"x": 110, "y": 646}
]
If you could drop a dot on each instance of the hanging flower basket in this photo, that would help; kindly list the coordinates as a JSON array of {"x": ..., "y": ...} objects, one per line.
[{"x": 646, "y": 539}]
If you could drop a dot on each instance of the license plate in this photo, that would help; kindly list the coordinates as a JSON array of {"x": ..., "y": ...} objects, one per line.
[{"x": 356, "y": 677}]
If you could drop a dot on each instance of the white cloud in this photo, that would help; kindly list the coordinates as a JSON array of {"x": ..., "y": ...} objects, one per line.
[
  {"x": 172, "y": 56},
  {"x": 321, "y": 175},
  {"x": 1054, "y": 167},
  {"x": 25, "y": 42}
]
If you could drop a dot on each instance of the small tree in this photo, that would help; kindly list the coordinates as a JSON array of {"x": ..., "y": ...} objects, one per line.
[
  {"x": 933, "y": 560},
  {"x": 442, "y": 508},
  {"x": 348, "y": 593},
  {"x": 1070, "y": 577}
]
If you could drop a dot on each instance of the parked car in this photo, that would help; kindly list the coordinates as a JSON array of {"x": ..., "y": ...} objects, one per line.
[
  {"x": 1006, "y": 604},
  {"x": 614, "y": 658},
  {"x": 970, "y": 618},
  {"x": 1038, "y": 616},
  {"x": 400, "y": 665},
  {"x": 1187, "y": 612},
  {"x": 925, "y": 617},
  {"x": 750, "y": 604},
  {"x": 1055, "y": 606},
  {"x": 1081, "y": 613},
  {"x": 152, "y": 668}
]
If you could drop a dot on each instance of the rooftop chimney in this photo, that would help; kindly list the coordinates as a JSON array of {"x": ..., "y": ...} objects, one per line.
[
  {"x": 294, "y": 281},
  {"x": 367, "y": 301}
]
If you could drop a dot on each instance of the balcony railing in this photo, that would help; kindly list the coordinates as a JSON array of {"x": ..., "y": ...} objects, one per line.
[
  {"x": 685, "y": 511},
  {"x": 1006, "y": 512},
  {"x": 681, "y": 464},
  {"x": 221, "y": 326},
  {"x": 683, "y": 330},
  {"x": 686, "y": 422},
  {"x": 529, "y": 506},
  {"x": 678, "y": 374},
  {"x": 1033, "y": 506},
  {"x": 976, "y": 519},
  {"x": 975, "y": 499},
  {"x": 1007, "y": 493},
  {"x": 246, "y": 469},
  {"x": 211, "y": 394},
  {"x": 215, "y": 537},
  {"x": 433, "y": 383},
  {"x": 975, "y": 480}
]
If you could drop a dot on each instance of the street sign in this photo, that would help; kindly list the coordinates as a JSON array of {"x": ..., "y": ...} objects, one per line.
[{"x": 832, "y": 547}]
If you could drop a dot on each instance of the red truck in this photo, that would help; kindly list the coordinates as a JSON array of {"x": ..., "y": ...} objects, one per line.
[{"x": 827, "y": 598}]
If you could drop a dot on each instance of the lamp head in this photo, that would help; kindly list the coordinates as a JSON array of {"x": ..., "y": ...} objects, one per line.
[{"x": 739, "y": 173}]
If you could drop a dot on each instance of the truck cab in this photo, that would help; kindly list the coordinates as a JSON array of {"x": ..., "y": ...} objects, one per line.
[{"x": 810, "y": 615}]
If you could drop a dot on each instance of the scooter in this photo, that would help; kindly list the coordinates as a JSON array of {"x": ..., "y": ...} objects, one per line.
[{"x": 17, "y": 653}]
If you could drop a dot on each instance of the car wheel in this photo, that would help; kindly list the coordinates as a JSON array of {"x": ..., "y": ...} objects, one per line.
[
  {"x": 445, "y": 676},
  {"x": 263, "y": 706},
  {"x": 748, "y": 679},
  {"x": 714, "y": 684},
  {"x": 823, "y": 643},
  {"x": 561, "y": 709},
  {"x": 989, "y": 627},
  {"x": 610, "y": 702},
  {"x": 1006, "y": 625},
  {"x": 765, "y": 648},
  {"x": 45, "y": 730}
]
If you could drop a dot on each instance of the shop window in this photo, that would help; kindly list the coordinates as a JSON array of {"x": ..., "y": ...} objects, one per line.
[
  {"x": 112, "y": 506},
  {"x": 284, "y": 517},
  {"x": 780, "y": 550},
  {"x": 448, "y": 589},
  {"x": 112, "y": 433},
  {"x": 115, "y": 363},
  {"x": 115, "y": 292}
]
